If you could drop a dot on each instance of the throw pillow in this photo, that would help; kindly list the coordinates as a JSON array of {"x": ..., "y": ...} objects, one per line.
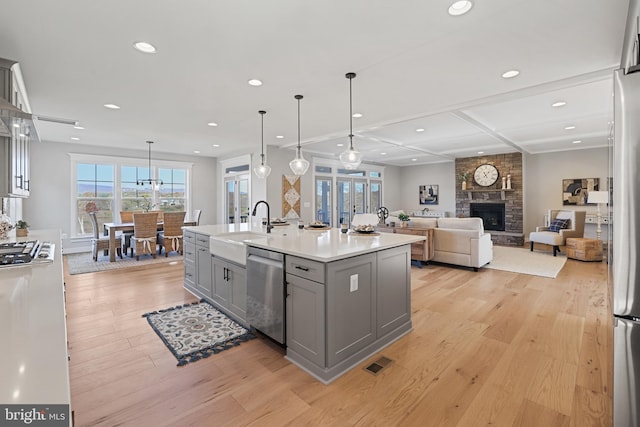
[{"x": 559, "y": 224}]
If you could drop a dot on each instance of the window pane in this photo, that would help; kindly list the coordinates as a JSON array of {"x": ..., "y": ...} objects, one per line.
[
  {"x": 86, "y": 172},
  {"x": 86, "y": 189},
  {"x": 128, "y": 174},
  {"x": 165, "y": 175},
  {"x": 104, "y": 172}
]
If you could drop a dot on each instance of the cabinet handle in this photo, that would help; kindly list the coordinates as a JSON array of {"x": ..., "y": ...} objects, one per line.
[
  {"x": 27, "y": 185},
  {"x": 19, "y": 181},
  {"x": 302, "y": 268}
]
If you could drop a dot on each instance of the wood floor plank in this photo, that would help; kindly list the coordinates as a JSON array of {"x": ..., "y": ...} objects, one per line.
[{"x": 487, "y": 348}]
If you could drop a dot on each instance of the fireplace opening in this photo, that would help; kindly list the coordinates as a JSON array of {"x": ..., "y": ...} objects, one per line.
[{"x": 492, "y": 215}]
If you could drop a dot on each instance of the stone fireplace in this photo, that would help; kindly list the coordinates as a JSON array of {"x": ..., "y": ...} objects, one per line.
[
  {"x": 492, "y": 215},
  {"x": 506, "y": 227}
]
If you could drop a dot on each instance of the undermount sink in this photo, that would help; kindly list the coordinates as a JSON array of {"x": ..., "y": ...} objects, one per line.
[{"x": 231, "y": 246}]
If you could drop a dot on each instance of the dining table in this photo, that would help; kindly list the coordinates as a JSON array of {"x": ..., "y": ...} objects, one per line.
[{"x": 111, "y": 228}]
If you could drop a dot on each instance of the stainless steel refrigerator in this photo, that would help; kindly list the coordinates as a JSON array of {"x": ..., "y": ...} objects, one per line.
[{"x": 626, "y": 229}]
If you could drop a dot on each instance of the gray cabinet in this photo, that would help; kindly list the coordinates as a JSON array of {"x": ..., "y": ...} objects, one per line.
[
  {"x": 305, "y": 310},
  {"x": 189, "y": 250},
  {"x": 203, "y": 272},
  {"x": 351, "y": 306},
  {"x": 229, "y": 288},
  {"x": 340, "y": 313},
  {"x": 393, "y": 301}
]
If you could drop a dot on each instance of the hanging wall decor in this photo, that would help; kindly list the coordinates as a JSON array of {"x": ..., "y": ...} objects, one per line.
[
  {"x": 290, "y": 196},
  {"x": 428, "y": 194},
  {"x": 575, "y": 191}
]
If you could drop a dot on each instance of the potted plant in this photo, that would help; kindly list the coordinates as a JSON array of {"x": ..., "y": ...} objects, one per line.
[
  {"x": 464, "y": 177},
  {"x": 22, "y": 228},
  {"x": 404, "y": 218}
]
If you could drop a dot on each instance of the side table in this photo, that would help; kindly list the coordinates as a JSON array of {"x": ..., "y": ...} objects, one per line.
[{"x": 584, "y": 249}]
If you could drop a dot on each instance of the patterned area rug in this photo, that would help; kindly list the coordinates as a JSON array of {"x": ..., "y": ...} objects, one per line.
[
  {"x": 519, "y": 260},
  {"x": 195, "y": 331},
  {"x": 83, "y": 262}
]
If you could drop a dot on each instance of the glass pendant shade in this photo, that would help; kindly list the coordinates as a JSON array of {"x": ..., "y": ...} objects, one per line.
[
  {"x": 299, "y": 165},
  {"x": 350, "y": 158},
  {"x": 263, "y": 170}
]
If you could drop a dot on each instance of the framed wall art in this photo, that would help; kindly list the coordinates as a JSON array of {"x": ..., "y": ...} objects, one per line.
[
  {"x": 428, "y": 194},
  {"x": 576, "y": 191}
]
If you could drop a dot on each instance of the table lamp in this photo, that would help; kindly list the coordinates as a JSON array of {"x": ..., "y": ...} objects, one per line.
[{"x": 598, "y": 197}]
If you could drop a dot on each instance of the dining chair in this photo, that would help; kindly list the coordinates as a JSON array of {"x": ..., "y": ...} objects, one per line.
[
  {"x": 126, "y": 216},
  {"x": 145, "y": 228},
  {"x": 98, "y": 242},
  {"x": 160, "y": 215},
  {"x": 171, "y": 236},
  {"x": 196, "y": 216}
]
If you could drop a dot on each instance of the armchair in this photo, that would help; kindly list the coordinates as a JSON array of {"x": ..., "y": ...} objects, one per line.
[{"x": 562, "y": 224}]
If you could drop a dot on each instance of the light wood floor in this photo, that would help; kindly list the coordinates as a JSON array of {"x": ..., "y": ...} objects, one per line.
[{"x": 487, "y": 348}]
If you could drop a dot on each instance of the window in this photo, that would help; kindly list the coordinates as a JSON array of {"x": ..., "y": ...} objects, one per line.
[
  {"x": 95, "y": 193},
  {"x": 108, "y": 185}
]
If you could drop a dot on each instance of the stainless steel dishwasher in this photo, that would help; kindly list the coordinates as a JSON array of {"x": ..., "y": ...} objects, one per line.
[{"x": 265, "y": 292}]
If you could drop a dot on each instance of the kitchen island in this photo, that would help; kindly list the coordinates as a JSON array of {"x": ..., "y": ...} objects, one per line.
[
  {"x": 34, "y": 361},
  {"x": 346, "y": 296}
]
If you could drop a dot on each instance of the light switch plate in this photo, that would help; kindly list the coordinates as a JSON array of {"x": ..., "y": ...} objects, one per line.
[{"x": 353, "y": 283}]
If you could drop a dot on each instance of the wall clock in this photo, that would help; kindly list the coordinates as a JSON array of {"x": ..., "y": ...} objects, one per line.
[{"x": 486, "y": 175}]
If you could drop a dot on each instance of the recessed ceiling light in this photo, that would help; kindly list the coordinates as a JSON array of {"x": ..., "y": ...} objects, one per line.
[
  {"x": 357, "y": 115},
  {"x": 383, "y": 154},
  {"x": 559, "y": 104},
  {"x": 510, "y": 74},
  {"x": 196, "y": 151},
  {"x": 414, "y": 160},
  {"x": 419, "y": 130},
  {"x": 78, "y": 127},
  {"x": 22, "y": 135},
  {"x": 75, "y": 138},
  {"x": 255, "y": 82},
  {"x": 212, "y": 124},
  {"x": 216, "y": 145},
  {"x": 460, "y": 8},
  {"x": 480, "y": 152},
  {"x": 577, "y": 141},
  {"x": 112, "y": 106},
  {"x": 280, "y": 136},
  {"x": 340, "y": 144},
  {"x": 569, "y": 127},
  {"x": 16, "y": 125},
  {"x": 144, "y": 47}
]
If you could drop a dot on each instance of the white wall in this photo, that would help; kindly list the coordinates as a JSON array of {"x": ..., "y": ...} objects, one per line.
[
  {"x": 543, "y": 177},
  {"x": 412, "y": 177},
  {"x": 50, "y": 202}
]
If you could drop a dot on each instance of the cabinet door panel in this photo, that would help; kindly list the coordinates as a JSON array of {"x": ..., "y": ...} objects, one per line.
[
  {"x": 394, "y": 289},
  {"x": 351, "y": 297},
  {"x": 238, "y": 290},
  {"x": 220, "y": 286},
  {"x": 203, "y": 270},
  {"x": 306, "y": 319}
]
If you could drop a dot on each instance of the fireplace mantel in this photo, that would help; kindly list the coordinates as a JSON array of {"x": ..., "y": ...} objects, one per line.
[{"x": 502, "y": 196}]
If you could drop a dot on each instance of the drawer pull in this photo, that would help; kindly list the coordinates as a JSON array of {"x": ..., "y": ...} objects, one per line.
[{"x": 299, "y": 267}]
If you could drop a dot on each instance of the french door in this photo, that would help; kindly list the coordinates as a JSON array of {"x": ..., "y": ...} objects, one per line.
[
  {"x": 352, "y": 198},
  {"x": 237, "y": 201}
]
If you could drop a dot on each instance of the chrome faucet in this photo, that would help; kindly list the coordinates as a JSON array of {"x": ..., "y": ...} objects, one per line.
[{"x": 255, "y": 208}]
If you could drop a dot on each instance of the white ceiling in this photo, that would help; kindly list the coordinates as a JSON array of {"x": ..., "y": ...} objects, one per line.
[{"x": 417, "y": 67}]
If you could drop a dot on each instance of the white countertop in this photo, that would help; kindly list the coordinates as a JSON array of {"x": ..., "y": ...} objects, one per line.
[
  {"x": 319, "y": 245},
  {"x": 33, "y": 362}
]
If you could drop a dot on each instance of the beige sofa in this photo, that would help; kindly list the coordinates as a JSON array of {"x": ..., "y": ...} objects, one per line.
[{"x": 458, "y": 241}]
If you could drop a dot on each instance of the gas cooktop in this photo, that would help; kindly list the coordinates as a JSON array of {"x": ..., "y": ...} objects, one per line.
[{"x": 20, "y": 253}]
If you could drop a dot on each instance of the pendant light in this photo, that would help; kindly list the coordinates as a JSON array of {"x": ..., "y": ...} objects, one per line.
[
  {"x": 156, "y": 183},
  {"x": 299, "y": 165},
  {"x": 351, "y": 157},
  {"x": 263, "y": 170}
]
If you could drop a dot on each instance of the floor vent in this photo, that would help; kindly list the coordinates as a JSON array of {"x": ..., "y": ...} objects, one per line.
[{"x": 378, "y": 365}]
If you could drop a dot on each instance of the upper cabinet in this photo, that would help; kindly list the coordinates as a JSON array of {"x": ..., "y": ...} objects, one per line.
[{"x": 17, "y": 132}]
